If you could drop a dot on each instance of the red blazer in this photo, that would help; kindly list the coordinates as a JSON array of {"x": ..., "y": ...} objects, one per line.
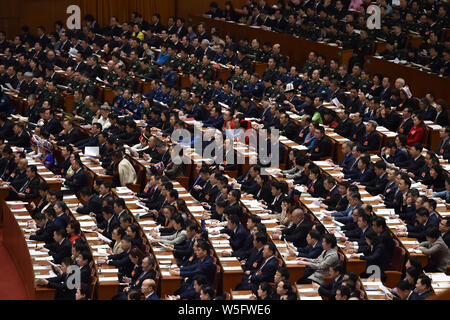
[{"x": 416, "y": 134}]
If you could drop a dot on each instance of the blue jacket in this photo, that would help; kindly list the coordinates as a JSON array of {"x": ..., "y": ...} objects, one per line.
[
  {"x": 214, "y": 122},
  {"x": 205, "y": 267},
  {"x": 266, "y": 272},
  {"x": 310, "y": 251},
  {"x": 237, "y": 238},
  {"x": 346, "y": 215}
]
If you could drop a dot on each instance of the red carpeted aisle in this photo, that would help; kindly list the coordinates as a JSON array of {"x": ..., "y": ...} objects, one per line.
[{"x": 11, "y": 286}]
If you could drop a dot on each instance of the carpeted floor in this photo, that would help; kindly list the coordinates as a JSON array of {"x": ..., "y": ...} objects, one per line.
[{"x": 11, "y": 286}]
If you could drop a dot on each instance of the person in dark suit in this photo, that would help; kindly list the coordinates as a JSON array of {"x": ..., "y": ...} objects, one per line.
[
  {"x": 359, "y": 129},
  {"x": 345, "y": 126},
  {"x": 203, "y": 266},
  {"x": 366, "y": 174},
  {"x": 122, "y": 260},
  {"x": 288, "y": 128},
  {"x": 61, "y": 282},
  {"x": 333, "y": 196},
  {"x": 348, "y": 159},
  {"x": 46, "y": 229},
  {"x": 29, "y": 189},
  {"x": 69, "y": 135},
  {"x": 21, "y": 137},
  {"x": 407, "y": 122},
  {"x": 371, "y": 140},
  {"x": 264, "y": 273},
  {"x": 389, "y": 119},
  {"x": 182, "y": 252},
  {"x": 423, "y": 288},
  {"x": 385, "y": 93},
  {"x": 110, "y": 222},
  {"x": 418, "y": 230},
  {"x": 384, "y": 235},
  {"x": 244, "y": 250},
  {"x": 392, "y": 154},
  {"x": 255, "y": 256},
  {"x": 6, "y": 126},
  {"x": 298, "y": 231},
  {"x": 414, "y": 165},
  {"x": 148, "y": 288},
  {"x": 376, "y": 253},
  {"x": 236, "y": 231},
  {"x": 378, "y": 185},
  {"x": 278, "y": 196},
  {"x": 444, "y": 228},
  {"x": 60, "y": 248},
  {"x": 442, "y": 114},
  {"x": 92, "y": 141},
  {"x": 323, "y": 145},
  {"x": 314, "y": 247},
  {"x": 444, "y": 147},
  {"x": 329, "y": 290},
  {"x": 91, "y": 203},
  {"x": 79, "y": 179},
  {"x": 315, "y": 185},
  {"x": 135, "y": 283}
]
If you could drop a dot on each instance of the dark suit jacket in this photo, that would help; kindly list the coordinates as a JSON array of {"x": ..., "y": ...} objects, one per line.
[
  {"x": 237, "y": 238},
  {"x": 62, "y": 290},
  {"x": 405, "y": 126},
  {"x": 22, "y": 141},
  {"x": 332, "y": 197},
  {"x": 109, "y": 227},
  {"x": 77, "y": 181},
  {"x": 419, "y": 230},
  {"x": 93, "y": 205},
  {"x": 297, "y": 233},
  {"x": 322, "y": 149},
  {"x": 265, "y": 272},
  {"x": 255, "y": 258},
  {"x": 377, "y": 255},
  {"x": 45, "y": 233},
  {"x": 310, "y": 251},
  {"x": 377, "y": 186},
  {"x": 122, "y": 262},
  {"x": 60, "y": 251},
  {"x": 205, "y": 267},
  {"x": 329, "y": 290},
  {"x": 414, "y": 166},
  {"x": 371, "y": 141}
]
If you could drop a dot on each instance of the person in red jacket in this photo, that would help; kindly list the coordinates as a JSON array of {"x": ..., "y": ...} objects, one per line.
[{"x": 417, "y": 132}]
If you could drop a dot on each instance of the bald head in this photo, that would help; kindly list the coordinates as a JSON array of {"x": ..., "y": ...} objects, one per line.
[
  {"x": 148, "y": 286},
  {"x": 23, "y": 164}
]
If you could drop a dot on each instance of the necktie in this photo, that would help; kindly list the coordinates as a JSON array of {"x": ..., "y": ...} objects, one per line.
[{"x": 24, "y": 186}]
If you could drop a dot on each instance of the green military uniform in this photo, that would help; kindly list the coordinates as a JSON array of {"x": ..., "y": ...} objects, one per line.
[
  {"x": 272, "y": 74},
  {"x": 314, "y": 86},
  {"x": 42, "y": 94},
  {"x": 193, "y": 67},
  {"x": 365, "y": 85},
  {"x": 87, "y": 114},
  {"x": 55, "y": 99},
  {"x": 258, "y": 54},
  {"x": 89, "y": 88},
  {"x": 126, "y": 83},
  {"x": 134, "y": 65},
  {"x": 195, "y": 87},
  {"x": 237, "y": 80},
  {"x": 206, "y": 72},
  {"x": 150, "y": 73},
  {"x": 279, "y": 58},
  {"x": 110, "y": 76},
  {"x": 173, "y": 61},
  {"x": 174, "y": 101},
  {"x": 205, "y": 92},
  {"x": 272, "y": 92},
  {"x": 78, "y": 107},
  {"x": 309, "y": 67},
  {"x": 183, "y": 65}
]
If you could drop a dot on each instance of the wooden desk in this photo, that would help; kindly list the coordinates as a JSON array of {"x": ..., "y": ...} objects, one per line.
[
  {"x": 419, "y": 82},
  {"x": 296, "y": 49}
]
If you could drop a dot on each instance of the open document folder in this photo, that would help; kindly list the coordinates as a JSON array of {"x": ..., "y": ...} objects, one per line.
[{"x": 91, "y": 151}]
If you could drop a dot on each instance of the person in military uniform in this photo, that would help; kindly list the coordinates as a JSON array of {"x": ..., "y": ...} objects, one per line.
[
  {"x": 237, "y": 92},
  {"x": 227, "y": 96},
  {"x": 270, "y": 90},
  {"x": 54, "y": 98},
  {"x": 254, "y": 88},
  {"x": 123, "y": 80},
  {"x": 147, "y": 70},
  {"x": 110, "y": 76},
  {"x": 271, "y": 71},
  {"x": 350, "y": 39},
  {"x": 311, "y": 63},
  {"x": 205, "y": 90},
  {"x": 277, "y": 56},
  {"x": 176, "y": 100},
  {"x": 365, "y": 84},
  {"x": 163, "y": 95},
  {"x": 86, "y": 113},
  {"x": 78, "y": 103},
  {"x": 88, "y": 87},
  {"x": 118, "y": 101},
  {"x": 41, "y": 94},
  {"x": 168, "y": 76},
  {"x": 173, "y": 59},
  {"x": 183, "y": 62},
  {"x": 134, "y": 63},
  {"x": 136, "y": 109},
  {"x": 194, "y": 65},
  {"x": 217, "y": 90},
  {"x": 206, "y": 70},
  {"x": 314, "y": 83},
  {"x": 236, "y": 78},
  {"x": 255, "y": 51}
]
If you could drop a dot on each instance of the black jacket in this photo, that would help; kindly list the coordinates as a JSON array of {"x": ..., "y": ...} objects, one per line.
[{"x": 297, "y": 233}]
